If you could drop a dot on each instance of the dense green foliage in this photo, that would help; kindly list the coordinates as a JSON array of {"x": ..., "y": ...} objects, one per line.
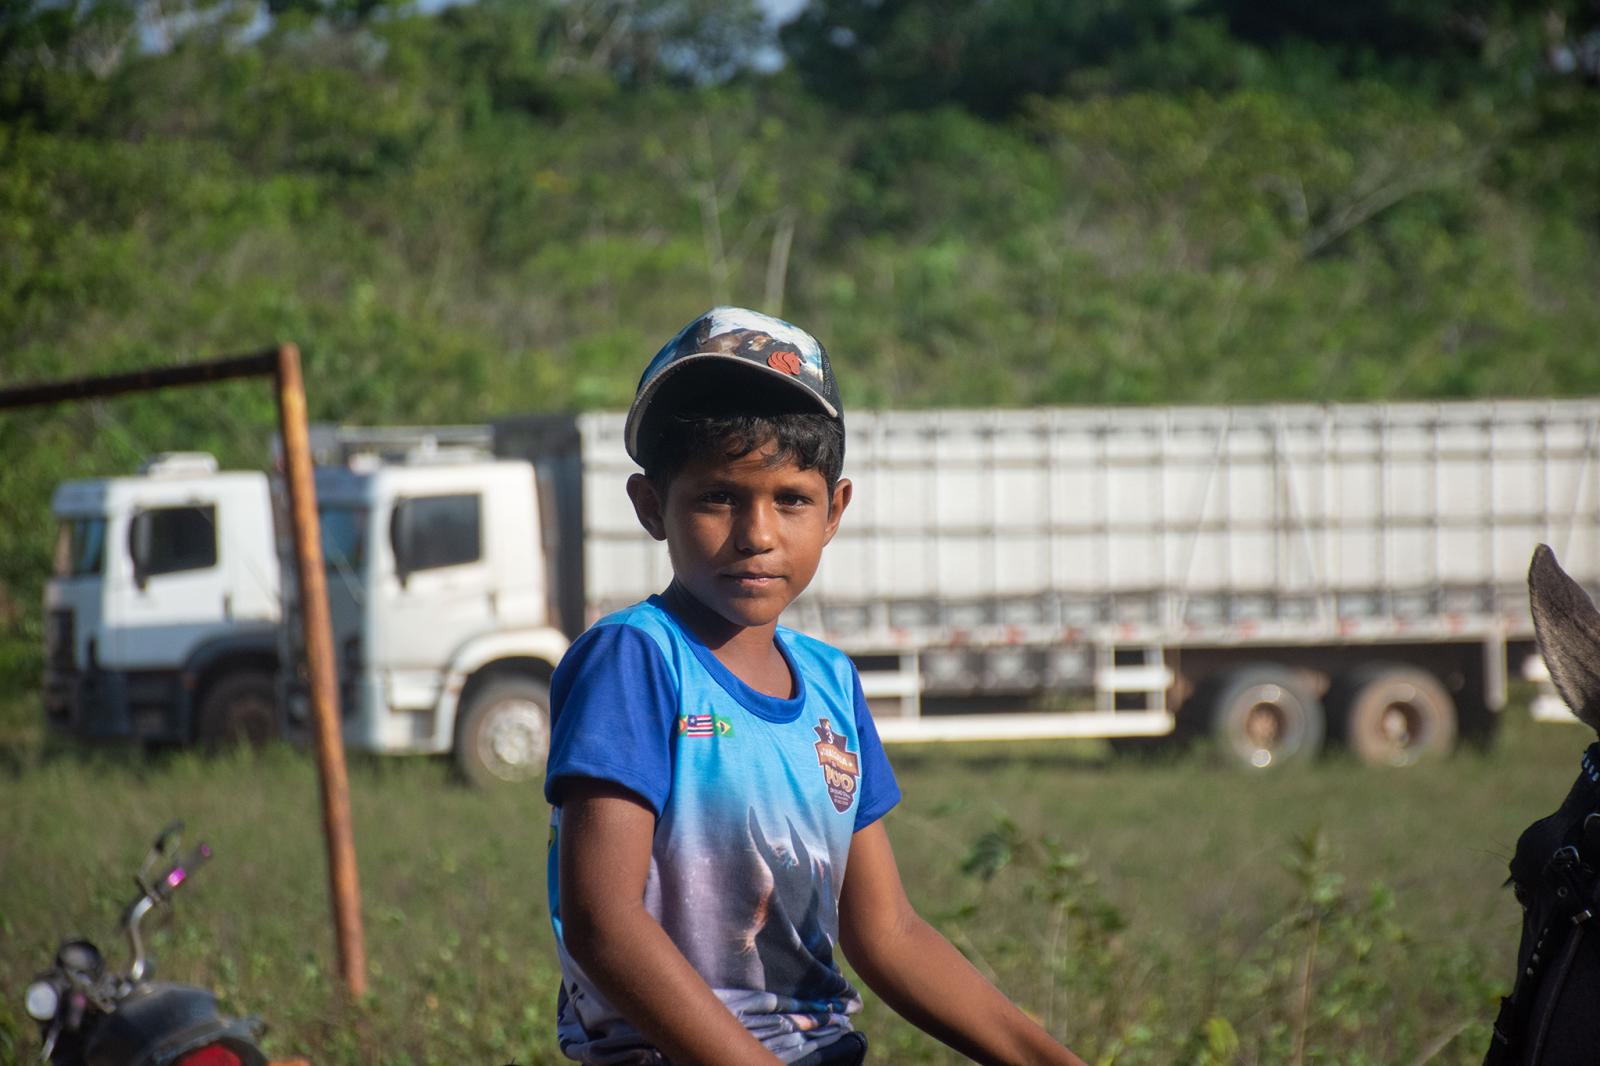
[{"x": 506, "y": 206}]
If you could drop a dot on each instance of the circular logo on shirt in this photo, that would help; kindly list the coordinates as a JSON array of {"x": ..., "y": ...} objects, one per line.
[{"x": 841, "y": 768}]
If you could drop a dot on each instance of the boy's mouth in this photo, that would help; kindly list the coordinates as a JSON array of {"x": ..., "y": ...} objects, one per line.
[{"x": 753, "y": 579}]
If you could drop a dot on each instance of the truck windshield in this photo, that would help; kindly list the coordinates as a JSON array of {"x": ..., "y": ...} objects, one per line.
[
  {"x": 80, "y": 547},
  {"x": 344, "y": 538}
]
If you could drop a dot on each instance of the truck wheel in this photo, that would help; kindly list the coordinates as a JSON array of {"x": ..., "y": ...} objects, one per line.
[
  {"x": 1262, "y": 718},
  {"x": 504, "y": 734},
  {"x": 1389, "y": 714},
  {"x": 238, "y": 708}
]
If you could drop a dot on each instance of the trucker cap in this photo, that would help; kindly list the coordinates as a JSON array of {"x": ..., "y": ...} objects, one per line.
[{"x": 721, "y": 361}]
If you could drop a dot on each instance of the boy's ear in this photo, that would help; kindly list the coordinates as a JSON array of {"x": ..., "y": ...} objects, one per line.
[
  {"x": 843, "y": 492},
  {"x": 647, "y": 505}
]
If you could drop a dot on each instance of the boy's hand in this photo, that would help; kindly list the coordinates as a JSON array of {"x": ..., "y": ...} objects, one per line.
[
  {"x": 604, "y": 861},
  {"x": 919, "y": 973}
]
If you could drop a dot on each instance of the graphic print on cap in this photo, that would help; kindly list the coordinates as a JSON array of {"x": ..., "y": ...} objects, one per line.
[
  {"x": 772, "y": 349},
  {"x": 756, "y": 338}
]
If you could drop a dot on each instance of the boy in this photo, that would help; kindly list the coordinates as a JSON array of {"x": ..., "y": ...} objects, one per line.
[{"x": 717, "y": 782}]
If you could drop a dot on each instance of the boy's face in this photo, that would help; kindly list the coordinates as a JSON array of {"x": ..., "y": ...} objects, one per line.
[{"x": 744, "y": 537}]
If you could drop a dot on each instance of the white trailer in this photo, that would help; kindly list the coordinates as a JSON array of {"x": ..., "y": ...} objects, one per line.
[{"x": 1260, "y": 575}]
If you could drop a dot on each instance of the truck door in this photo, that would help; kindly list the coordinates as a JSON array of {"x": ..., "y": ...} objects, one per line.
[
  {"x": 437, "y": 596},
  {"x": 169, "y": 589}
]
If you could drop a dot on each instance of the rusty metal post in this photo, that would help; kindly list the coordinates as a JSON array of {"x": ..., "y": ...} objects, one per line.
[
  {"x": 319, "y": 661},
  {"x": 284, "y": 364}
]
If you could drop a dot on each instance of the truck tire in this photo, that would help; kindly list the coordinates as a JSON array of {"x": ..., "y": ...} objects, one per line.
[
  {"x": 238, "y": 708},
  {"x": 1391, "y": 714},
  {"x": 503, "y": 735},
  {"x": 1262, "y": 718}
]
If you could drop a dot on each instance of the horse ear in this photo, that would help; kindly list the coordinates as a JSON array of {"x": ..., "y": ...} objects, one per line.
[{"x": 1568, "y": 629}]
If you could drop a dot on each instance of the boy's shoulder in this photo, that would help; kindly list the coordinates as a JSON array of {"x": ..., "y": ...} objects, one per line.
[
  {"x": 800, "y": 641},
  {"x": 640, "y": 629},
  {"x": 817, "y": 653},
  {"x": 647, "y": 615}
]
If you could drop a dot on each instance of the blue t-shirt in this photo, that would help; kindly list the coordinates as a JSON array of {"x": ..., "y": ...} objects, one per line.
[{"x": 756, "y": 799}]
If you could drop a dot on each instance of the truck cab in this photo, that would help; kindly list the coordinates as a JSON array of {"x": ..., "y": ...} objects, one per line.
[
  {"x": 439, "y": 601},
  {"x": 163, "y": 608}
]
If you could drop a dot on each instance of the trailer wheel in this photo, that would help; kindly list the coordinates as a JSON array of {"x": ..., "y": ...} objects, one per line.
[
  {"x": 1390, "y": 714},
  {"x": 504, "y": 734},
  {"x": 1262, "y": 718},
  {"x": 238, "y": 708}
]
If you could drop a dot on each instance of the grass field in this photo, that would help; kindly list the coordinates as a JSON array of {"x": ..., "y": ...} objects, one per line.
[{"x": 1147, "y": 913}]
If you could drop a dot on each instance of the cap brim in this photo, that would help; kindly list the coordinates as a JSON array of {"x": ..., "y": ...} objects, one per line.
[{"x": 672, "y": 377}]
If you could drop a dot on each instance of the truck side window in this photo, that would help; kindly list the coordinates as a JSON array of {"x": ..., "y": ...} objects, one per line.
[
  {"x": 166, "y": 540},
  {"x": 80, "y": 547},
  {"x": 434, "y": 531},
  {"x": 344, "y": 537}
]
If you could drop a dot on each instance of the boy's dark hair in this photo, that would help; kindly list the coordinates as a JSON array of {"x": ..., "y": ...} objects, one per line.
[{"x": 812, "y": 441}]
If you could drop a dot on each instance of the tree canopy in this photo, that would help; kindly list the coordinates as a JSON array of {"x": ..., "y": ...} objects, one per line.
[{"x": 506, "y": 206}]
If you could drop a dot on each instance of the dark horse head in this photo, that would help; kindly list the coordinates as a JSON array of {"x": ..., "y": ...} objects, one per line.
[{"x": 1552, "y": 1017}]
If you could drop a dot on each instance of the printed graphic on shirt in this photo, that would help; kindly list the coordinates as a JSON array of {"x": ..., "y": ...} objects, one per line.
[
  {"x": 791, "y": 926},
  {"x": 841, "y": 767},
  {"x": 704, "y": 725}
]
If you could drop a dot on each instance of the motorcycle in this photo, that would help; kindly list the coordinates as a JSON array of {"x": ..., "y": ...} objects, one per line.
[{"x": 91, "y": 1016}]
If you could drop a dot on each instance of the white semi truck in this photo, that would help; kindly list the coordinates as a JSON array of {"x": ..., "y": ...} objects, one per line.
[
  {"x": 166, "y": 616},
  {"x": 1264, "y": 577}
]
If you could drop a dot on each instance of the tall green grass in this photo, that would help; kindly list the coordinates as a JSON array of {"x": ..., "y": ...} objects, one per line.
[{"x": 1147, "y": 914}]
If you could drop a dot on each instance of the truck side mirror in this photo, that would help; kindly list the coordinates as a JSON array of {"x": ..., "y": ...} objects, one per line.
[
  {"x": 402, "y": 536},
  {"x": 139, "y": 548}
]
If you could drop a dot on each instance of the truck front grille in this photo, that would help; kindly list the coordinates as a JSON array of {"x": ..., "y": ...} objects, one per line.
[{"x": 58, "y": 640}]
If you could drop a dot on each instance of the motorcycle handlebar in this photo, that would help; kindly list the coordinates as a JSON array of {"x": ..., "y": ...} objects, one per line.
[
  {"x": 154, "y": 893},
  {"x": 180, "y": 871}
]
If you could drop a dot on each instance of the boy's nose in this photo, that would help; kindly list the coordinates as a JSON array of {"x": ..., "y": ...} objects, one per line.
[{"x": 756, "y": 530}]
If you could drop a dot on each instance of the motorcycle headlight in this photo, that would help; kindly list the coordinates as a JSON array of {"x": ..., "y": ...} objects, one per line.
[{"x": 42, "y": 1000}]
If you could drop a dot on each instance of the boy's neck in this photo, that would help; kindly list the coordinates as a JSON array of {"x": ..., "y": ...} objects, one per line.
[{"x": 749, "y": 652}]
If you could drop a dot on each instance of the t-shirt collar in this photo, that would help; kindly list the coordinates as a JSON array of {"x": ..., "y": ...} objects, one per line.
[{"x": 772, "y": 708}]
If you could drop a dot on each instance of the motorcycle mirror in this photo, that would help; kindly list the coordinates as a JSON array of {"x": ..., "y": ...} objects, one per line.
[
  {"x": 161, "y": 851},
  {"x": 169, "y": 837},
  {"x": 82, "y": 958}
]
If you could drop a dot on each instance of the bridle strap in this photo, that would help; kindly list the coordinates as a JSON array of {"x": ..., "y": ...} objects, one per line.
[
  {"x": 1511, "y": 1021},
  {"x": 1548, "y": 1015}
]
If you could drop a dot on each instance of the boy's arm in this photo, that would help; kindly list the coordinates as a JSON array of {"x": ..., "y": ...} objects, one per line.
[
  {"x": 917, "y": 971},
  {"x": 604, "y": 857}
]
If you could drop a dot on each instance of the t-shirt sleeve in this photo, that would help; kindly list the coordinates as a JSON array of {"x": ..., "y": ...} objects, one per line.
[
  {"x": 613, "y": 703},
  {"x": 879, "y": 790}
]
